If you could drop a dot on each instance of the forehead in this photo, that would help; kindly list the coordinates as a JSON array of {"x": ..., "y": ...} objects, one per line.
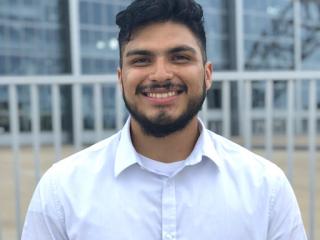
[{"x": 162, "y": 36}]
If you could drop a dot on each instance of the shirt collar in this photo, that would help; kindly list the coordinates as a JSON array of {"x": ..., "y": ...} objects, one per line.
[
  {"x": 204, "y": 148},
  {"x": 126, "y": 154}
]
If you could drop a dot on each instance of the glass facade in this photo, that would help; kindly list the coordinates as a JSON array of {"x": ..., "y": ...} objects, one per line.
[
  {"x": 268, "y": 34},
  {"x": 310, "y": 34},
  {"x": 279, "y": 106},
  {"x": 98, "y": 33},
  {"x": 34, "y": 40},
  {"x": 99, "y": 47},
  {"x": 33, "y": 37},
  {"x": 219, "y": 34},
  {"x": 4, "y": 110},
  {"x": 45, "y": 108},
  {"x": 87, "y": 107},
  {"x": 108, "y": 107}
]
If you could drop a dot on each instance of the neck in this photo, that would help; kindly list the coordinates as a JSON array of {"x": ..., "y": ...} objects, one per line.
[{"x": 174, "y": 147}]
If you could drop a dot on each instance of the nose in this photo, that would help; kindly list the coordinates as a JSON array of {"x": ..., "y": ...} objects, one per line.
[{"x": 162, "y": 71}]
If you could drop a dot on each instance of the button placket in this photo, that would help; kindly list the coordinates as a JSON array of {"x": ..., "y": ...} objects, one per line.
[{"x": 169, "y": 217}]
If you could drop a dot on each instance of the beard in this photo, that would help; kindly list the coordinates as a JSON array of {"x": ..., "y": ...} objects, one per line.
[{"x": 163, "y": 124}]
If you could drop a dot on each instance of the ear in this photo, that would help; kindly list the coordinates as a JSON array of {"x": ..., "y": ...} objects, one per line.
[
  {"x": 208, "y": 69},
  {"x": 119, "y": 73}
]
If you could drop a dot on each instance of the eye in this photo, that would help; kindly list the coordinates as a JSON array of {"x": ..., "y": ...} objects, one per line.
[
  {"x": 179, "y": 58},
  {"x": 140, "y": 61}
]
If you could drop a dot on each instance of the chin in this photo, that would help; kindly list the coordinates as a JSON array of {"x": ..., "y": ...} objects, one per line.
[{"x": 164, "y": 117}]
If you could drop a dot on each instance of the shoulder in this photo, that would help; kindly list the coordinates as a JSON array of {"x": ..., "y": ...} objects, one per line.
[
  {"x": 94, "y": 160},
  {"x": 261, "y": 183},
  {"x": 244, "y": 164},
  {"x": 257, "y": 178}
]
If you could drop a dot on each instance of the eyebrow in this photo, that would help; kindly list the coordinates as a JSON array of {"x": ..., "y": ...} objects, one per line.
[
  {"x": 143, "y": 52},
  {"x": 139, "y": 52},
  {"x": 182, "y": 49}
]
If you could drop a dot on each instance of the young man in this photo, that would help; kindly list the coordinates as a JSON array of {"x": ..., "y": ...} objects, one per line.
[{"x": 164, "y": 175}]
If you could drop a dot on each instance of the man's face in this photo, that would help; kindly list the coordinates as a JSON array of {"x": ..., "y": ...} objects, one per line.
[{"x": 163, "y": 77}]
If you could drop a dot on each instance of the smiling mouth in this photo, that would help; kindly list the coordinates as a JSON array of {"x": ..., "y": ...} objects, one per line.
[
  {"x": 161, "y": 95},
  {"x": 157, "y": 91}
]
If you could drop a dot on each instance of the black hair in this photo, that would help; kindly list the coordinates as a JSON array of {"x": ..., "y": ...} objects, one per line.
[{"x": 141, "y": 13}]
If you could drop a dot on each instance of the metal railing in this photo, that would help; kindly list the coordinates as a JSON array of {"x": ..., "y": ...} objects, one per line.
[{"x": 246, "y": 114}]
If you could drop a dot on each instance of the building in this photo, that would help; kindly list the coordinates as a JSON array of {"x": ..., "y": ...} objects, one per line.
[{"x": 37, "y": 38}]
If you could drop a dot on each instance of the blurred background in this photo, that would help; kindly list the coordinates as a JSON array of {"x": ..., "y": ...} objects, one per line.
[{"x": 59, "y": 92}]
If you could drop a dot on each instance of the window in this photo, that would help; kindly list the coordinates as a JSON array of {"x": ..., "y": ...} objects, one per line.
[
  {"x": 268, "y": 28},
  {"x": 258, "y": 94},
  {"x": 3, "y": 69},
  {"x": 84, "y": 12},
  {"x": 109, "y": 114},
  {"x": 280, "y": 95},
  {"x": 214, "y": 98},
  {"x": 4, "y": 110},
  {"x": 87, "y": 107},
  {"x": 45, "y": 105},
  {"x": 97, "y": 13},
  {"x": 310, "y": 15}
]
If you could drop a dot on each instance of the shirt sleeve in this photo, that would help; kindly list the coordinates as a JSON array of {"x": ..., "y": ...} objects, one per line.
[
  {"x": 44, "y": 218},
  {"x": 285, "y": 218}
]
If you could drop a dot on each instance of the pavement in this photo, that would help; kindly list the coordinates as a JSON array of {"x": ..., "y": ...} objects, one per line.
[{"x": 27, "y": 180}]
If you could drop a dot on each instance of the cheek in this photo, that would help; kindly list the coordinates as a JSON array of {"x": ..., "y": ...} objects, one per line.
[
  {"x": 131, "y": 79},
  {"x": 128, "y": 90},
  {"x": 128, "y": 84},
  {"x": 196, "y": 82}
]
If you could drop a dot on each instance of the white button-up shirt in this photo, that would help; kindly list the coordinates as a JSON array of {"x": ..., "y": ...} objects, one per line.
[{"x": 221, "y": 191}]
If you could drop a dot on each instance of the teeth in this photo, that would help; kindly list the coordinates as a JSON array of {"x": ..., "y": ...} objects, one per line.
[{"x": 161, "y": 95}]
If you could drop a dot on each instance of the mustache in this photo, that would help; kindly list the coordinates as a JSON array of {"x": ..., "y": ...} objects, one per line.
[{"x": 169, "y": 86}]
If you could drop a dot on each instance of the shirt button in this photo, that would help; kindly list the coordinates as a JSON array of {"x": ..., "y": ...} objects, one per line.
[
  {"x": 169, "y": 236},
  {"x": 169, "y": 182}
]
